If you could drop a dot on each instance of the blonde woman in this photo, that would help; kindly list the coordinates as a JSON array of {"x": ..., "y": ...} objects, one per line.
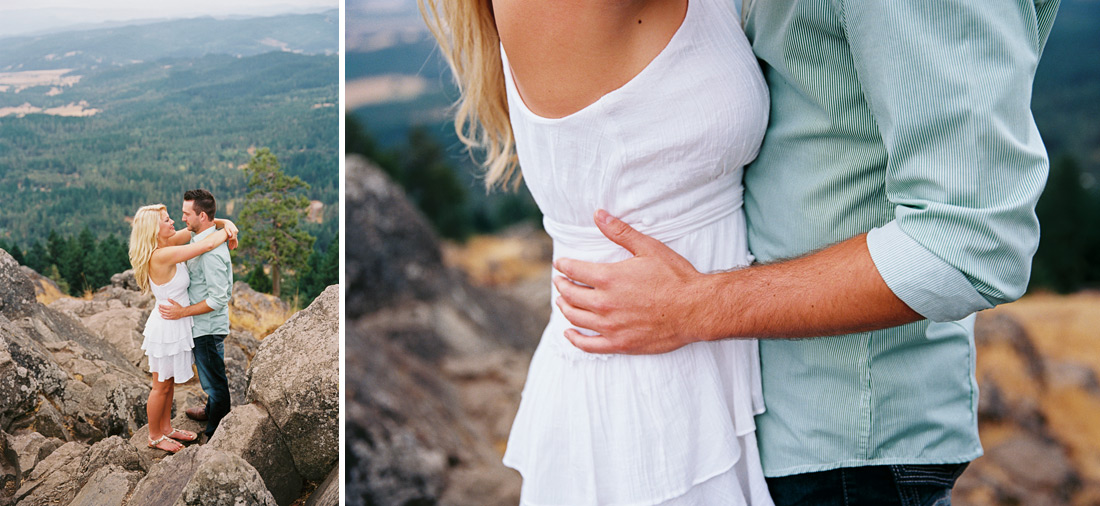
[
  {"x": 158, "y": 253},
  {"x": 648, "y": 109}
]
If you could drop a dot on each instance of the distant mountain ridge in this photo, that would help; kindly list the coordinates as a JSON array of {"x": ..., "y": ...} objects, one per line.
[{"x": 180, "y": 38}]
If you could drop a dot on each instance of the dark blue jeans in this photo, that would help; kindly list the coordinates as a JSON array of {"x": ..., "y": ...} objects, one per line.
[
  {"x": 902, "y": 485},
  {"x": 210, "y": 361}
]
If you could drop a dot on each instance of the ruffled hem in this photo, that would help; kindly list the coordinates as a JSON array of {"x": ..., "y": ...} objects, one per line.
[
  {"x": 740, "y": 484},
  {"x": 165, "y": 338},
  {"x": 632, "y": 430},
  {"x": 176, "y": 367},
  {"x": 161, "y": 350}
]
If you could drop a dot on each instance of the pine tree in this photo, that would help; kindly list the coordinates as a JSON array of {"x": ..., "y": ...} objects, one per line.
[
  {"x": 55, "y": 248},
  {"x": 17, "y": 254},
  {"x": 270, "y": 219},
  {"x": 38, "y": 258},
  {"x": 258, "y": 280}
]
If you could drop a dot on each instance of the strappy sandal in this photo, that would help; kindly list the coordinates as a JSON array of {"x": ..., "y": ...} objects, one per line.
[
  {"x": 185, "y": 436},
  {"x": 156, "y": 444}
]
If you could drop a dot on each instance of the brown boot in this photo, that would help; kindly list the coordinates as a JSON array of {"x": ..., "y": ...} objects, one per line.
[{"x": 197, "y": 413}]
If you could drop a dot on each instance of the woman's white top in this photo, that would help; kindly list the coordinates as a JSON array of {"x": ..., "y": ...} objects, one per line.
[
  {"x": 665, "y": 152},
  {"x": 168, "y": 343}
]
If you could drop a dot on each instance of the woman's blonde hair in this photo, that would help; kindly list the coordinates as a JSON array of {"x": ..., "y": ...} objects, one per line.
[
  {"x": 467, "y": 34},
  {"x": 143, "y": 242}
]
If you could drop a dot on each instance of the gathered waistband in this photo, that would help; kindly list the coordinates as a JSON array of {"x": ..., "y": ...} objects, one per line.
[{"x": 664, "y": 230}]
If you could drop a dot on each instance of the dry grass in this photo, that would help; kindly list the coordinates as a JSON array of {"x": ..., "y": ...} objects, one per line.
[
  {"x": 45, "y": 292},
  {"x": 1065, "y": 330},
  {"x": 261, "y": 326},
  {"x": 499, "y": 261}
]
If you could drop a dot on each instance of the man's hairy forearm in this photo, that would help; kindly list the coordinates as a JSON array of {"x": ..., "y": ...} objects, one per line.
[
  {"x": 200, "y": 307},
  {"x": 833, "y": 291}
]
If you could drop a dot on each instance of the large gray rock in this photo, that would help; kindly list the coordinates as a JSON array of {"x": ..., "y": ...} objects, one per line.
[
  {"x": 120, "y": 326},
  {"x": 200, "y": 475},
  {"x": 107, "y": 486},
  {"x": 236, "y": 368},
  {"x": 27, "y": 372},
  {"x": 397, "y": 256},
  {"x": 125, "y": 280},
  {"x": 16, "y": 290},
  {"x": 166, "y": 479},
  {"x": 248, "y": 432},
  {"x": 56, "y": 479},
  {"x": 410, "y": 438},
  {"x": 295, "y": 376},
  {"x": 222, "y": 479},
  {"x": 404, "y": 425},
  {"x": 113, "y": 450},
  {"x": 32, "y": 448}
]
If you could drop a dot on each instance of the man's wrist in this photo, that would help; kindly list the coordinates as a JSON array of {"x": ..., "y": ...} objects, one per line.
[{"x": 705, "y": 303}]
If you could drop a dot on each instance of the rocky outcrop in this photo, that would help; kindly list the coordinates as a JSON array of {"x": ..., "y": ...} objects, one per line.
[
  {"x": 56, "y": 377},
  {"x": 296, "y": 377},
  {"x": 72, "y": 406},
  {"x": 417, "y": 330},
  {"x": 201, "y": 475},
  {"x": 223, "y": 479}
]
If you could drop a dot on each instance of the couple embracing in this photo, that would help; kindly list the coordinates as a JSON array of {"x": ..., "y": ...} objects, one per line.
[
  {"x": 878, "y": 159},
  {"x": 189, "y": 273}
]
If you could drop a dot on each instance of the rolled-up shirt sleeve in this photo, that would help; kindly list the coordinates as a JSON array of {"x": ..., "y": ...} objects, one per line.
[
  {"x": 949, "y": 85},
  {"x": 217, "y": 281}
]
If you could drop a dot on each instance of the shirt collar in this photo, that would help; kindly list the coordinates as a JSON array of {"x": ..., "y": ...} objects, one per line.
[{"x": 204, "y": 234}]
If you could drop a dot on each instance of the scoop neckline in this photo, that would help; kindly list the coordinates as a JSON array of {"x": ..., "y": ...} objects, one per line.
[{"x": 606, "y": 96}]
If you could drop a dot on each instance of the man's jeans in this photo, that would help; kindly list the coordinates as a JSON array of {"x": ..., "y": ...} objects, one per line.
[
  {"x": 210, "y": 361},
  {"x": 902, "y": 485}
]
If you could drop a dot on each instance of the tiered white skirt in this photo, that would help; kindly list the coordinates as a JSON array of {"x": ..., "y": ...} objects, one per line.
[
  {"x": 168, "y": 344},
  {"x": 671, "y": 429}
]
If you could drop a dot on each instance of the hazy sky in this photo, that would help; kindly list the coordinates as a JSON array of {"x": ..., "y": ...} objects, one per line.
[{"x": 26, "y": 16}]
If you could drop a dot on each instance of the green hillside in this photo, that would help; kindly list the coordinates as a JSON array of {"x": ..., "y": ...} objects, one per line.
[{"x": 163, "y": 127}]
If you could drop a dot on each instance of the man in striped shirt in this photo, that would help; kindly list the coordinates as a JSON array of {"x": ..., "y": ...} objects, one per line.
[{"x": 893, "y": 197}]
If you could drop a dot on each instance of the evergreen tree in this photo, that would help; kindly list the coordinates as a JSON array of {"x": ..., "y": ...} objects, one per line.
[
  {"x": 258, "y": 279},
  {"x": 38, "y": 258},
  {"x": 323, "y": 270},
  {"x": 55, "y": 276},
  {"x": 17, "y": 254},
  {"x": 117, "y": 255},
  {"x": 55, "y": 248},
  {"x": 271, "y": 217},
  {"x": 431, "y": 183},
  {"x": 97, "y": 267},
  {"x": 69, "y": 265}
]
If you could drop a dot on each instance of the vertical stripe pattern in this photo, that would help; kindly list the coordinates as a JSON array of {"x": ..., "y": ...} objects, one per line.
[{"x": 911, "y": 120}]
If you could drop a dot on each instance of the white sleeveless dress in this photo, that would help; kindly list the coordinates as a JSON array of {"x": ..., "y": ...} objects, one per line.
[
  {"x": 665, "y": 153},
  {"x": 168, "y": 343}
]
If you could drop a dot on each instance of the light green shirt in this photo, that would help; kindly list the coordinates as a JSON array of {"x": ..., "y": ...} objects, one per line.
[
  {"x": 211, "y": 280},
  {"x": 910, "y": 120}
]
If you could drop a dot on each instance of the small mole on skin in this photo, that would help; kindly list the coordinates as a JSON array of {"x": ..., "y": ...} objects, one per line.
[{"x": 639, "y": 21}]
